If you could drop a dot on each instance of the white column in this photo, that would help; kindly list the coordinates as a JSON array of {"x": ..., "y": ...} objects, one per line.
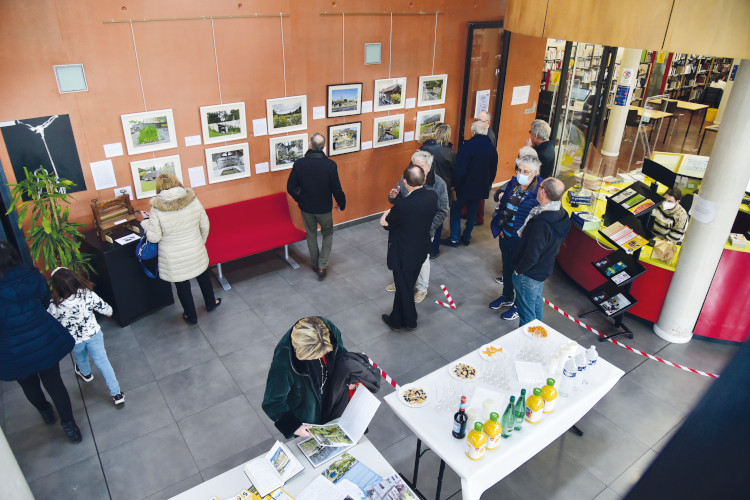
[
  {"x": 619, "y": 114},
  {"x": 727, "y": 175},
  {"x": 12, "y": 483},
  {"x": 725, "y": 95}
]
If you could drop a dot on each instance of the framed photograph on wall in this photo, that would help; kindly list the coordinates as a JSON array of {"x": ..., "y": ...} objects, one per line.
[
  {"x": 389, "y": 94},
  {"x": 149, "y": 131},
  {"x": 427, "y": 121},
  {"x": 223, "y": 122},
  {"x": 286, "y": 150},
  {"x": 145, "y": 173},
  {"x": 432, "y": 90},
  {"x": 344, "y": 138},
  {"x": 344, "y": 100},
  {"x": 227, "y": 163},
  {"x": 286, "y": 114},
  {"x": 387, "y": 131}
]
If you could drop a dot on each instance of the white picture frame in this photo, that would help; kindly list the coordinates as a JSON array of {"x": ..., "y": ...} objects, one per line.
[
  {"x": 223, "y": 123},
  {"x": 389, "y": 93},
  {"x": 285, "y": 150},
  {"x": 149, "y": 131},
  {"x": 145, "y": 172},
  {"x": 387, "y": 130},
  {"x": 286, "y": 114},
  {"x": 427, "y": 121},
  {"x": 228, "y": 163},
  {"x": 344, "y": 138},
  {"x": 432, "y": 89}
]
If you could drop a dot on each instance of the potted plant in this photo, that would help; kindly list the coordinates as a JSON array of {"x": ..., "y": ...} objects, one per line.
[{"x": 54, "y": 240}]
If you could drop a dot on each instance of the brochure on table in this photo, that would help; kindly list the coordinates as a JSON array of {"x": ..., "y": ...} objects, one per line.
[
  {"x": 270, "y": 471},
  {"x": 352, "y": 425}
]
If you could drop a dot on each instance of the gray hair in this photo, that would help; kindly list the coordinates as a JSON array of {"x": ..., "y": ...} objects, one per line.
[
  {"x": 554, "y": 188},
  {"x": 527, "y": 151},
  {"x": 530, "y": 161},
  {"x": 541, "y": 129},
  {"x": 479, "y": 128},
  {"x": 482, "y": 114},
  {"x": 317, "y": 142},
  {"x": 422, "y": 157}
]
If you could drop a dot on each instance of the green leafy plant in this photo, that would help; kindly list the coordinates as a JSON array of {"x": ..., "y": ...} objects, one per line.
[{"x": 54, "y": 240}]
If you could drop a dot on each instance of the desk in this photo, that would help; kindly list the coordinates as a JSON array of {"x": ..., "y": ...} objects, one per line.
[
  {"x": 710, "y": 128},
  {"x": 433, "y": 426},
  {"x": 234, "y": 480},
  {"x": 687, "y": 106}
]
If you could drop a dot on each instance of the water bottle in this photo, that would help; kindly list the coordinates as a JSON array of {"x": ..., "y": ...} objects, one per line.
[
  {"x": 581, "y": 366},
  {"x": 520, "y": 410},
  {"x": 591, "y": 358},
  {"x": 568, "y": 378}
]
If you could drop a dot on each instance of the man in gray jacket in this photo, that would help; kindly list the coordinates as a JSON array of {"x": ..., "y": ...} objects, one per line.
[{"x": 433, "y": 182}]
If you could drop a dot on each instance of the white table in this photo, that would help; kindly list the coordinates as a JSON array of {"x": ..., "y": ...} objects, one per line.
[
  {"x": 434, "y": 427},
  {"x": 234, "y": 480}
]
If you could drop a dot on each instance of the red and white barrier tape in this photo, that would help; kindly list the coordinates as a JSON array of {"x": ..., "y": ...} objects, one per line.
[
  {"x": 450, "y": 304},
  {"x": 385, "y": 375},
  {"x": 650, "y": 356}
]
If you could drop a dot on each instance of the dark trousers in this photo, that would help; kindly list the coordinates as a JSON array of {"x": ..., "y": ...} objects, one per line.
[
  {"x": 404, "y": 310},
  {"x": 186, "y": 297},
  {"x": 55, "y": 388},
  {"x": 319, "y": 257},
  {"x": 507, "y": 246},
  {"x": 436, "y": 240}
]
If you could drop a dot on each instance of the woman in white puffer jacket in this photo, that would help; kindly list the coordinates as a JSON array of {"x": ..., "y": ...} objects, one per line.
[{"x": 179, "y": 224}]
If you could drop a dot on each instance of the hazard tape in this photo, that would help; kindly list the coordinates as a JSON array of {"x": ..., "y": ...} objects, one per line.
[
  {"x": 450, "y": 304},
  {"x": 650, "y": 356},
  {"x": 385, "y": 375}
]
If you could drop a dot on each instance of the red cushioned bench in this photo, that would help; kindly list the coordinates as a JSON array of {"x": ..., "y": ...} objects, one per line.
[{"x": 250, "y": 227}]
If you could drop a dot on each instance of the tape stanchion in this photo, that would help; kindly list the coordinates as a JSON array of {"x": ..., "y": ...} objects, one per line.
[
  {"x": 450, "y": 304},
  {"x": 636, "y": 351},
  {"x": 385, "y": 375}
]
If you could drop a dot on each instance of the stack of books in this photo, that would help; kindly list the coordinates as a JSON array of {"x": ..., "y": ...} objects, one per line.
[
  {"x": 582, "y": 197},
  {"x": 738, "y": 240},
  {"x": 624, "y": 237},
  {"x": 586, "y": 221}
]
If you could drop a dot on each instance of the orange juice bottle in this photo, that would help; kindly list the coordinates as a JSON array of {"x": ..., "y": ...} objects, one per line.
[
  {"x": 476, "y": 442},
  {"x": 549, "y": 394},
  {"x": 493, "y": 431},
  {"x": 534, "y": 407}
]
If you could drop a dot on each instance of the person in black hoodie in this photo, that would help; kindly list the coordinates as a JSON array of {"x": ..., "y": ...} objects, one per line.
[
  {"x": 312, "y": 182},
  {"x": 541, "y": 236}
]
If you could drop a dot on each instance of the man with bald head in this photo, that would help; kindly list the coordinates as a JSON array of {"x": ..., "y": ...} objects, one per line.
[{"x": 545, "y": 228}]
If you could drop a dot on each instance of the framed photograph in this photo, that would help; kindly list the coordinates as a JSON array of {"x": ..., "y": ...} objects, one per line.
[
  {"x": 387, "y": 131},
  {"x": 145, "y": 173},
  {"x": 432, "y": 90},
  {"x": 286, "y": 150},
  {"x": 286, "y": 114},
  {"x": 344, "y": 138},
  {"x": 149, "y": 131},
  {"x": 389, "y": 94},
  {"x": 427, "y": 121},
  {"x": 223, "y": 122},
  {"x": 344, "y": 100},
  {"x": 227, "y": 163}
]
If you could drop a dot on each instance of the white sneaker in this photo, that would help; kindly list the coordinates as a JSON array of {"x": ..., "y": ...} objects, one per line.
[
  {"x": 391, "y": 288},
  {"x": 419, "y": 296}
]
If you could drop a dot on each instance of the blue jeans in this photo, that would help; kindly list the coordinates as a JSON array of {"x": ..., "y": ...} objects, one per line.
[
  {"x": 471, "y": 215},
  {"x": 95, "y": 347},
  {"x": 529, "y": 299}
]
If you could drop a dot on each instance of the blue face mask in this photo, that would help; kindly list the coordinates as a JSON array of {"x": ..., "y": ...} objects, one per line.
[{"x": 522, "y": 179}]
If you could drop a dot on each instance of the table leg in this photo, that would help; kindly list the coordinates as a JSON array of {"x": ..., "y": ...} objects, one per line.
[
  {"x": 440, "y": 479},
  {"x": 702, "y": 139},
  {"x": 689, "y": 122},
  {"x": 416, "y": 462},
  {"x": 703, "y": 121}
]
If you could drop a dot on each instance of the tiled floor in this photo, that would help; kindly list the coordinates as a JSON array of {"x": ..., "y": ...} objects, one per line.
[{"x": 194, "y": 392}]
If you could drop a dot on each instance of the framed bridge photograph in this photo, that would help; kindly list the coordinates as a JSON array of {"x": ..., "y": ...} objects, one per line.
[
  {"x": 145, "y": 173},
  {"x": 286, "y": 114},
  {"x": 149, "y": 131},
  {"x": 344, "y": 138},
  {"x": 223, "y": 122},
  {"x": 285, "y": 150},
  {"x": 344, "y": 100},
  {"x": 432, "y": 90},
  {"x": 387, "y": 130},
  {"x": 228, "y": 163}
]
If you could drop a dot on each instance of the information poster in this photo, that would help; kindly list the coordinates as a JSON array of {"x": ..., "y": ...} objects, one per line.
[{"x": 621, "y": 95}]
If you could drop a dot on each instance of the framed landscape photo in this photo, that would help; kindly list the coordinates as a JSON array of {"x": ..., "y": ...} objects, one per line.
[
  {"x": 227, "y": 163},
  {"x": 145, "y": 173},
  {"x": 389, "y": 94},
  {"x": 427, "y": 121},
  {"x": 149, "y": 131},
  {"x": 344, "y": 100},
  {"x": 286, "y": 150},
  {"x": 286, "y": 114},
  {"x": 223, "y": 122},
  {"x": 344, "y": 138},
  {"x": 432, "y": 90},
  {"x": 387, "y": 131}
]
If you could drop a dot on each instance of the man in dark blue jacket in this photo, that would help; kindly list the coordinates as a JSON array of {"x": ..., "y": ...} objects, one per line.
[
  {"x": 541, "y": 236},
  {"x": 312, "y": 182}
]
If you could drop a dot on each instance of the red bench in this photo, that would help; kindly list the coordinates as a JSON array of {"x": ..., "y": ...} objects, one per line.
[{"x": 250, "y": 227}]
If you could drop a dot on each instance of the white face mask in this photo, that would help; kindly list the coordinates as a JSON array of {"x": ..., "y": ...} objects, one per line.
[{"x": 668, "y": 205}]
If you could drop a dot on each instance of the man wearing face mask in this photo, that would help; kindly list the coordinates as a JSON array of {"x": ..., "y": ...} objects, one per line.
[
  {"x": 519, "y": 198},
  {"x": 670, "y": 219}
]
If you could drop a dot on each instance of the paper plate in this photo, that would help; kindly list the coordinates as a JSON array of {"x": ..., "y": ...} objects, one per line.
[
  {"x": 407, "y": 391},
  {"x": 492, "y": 356},
  {"x": 545, "y": 332},
  {"x": 458, "y": 370}
]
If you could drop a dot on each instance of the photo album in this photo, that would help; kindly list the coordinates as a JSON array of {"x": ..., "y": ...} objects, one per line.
[
  {"x": 272, "y": 470},
  {"x": 352, "y": 425}
]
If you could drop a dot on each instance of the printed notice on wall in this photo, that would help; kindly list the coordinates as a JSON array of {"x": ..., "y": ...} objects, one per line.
[
  {"x": 193, "y": 140},
  {"x": 319, "y": 112},
  {"x": 260, "y": 127},
  {"x": 367, "y": 106},
  {"x": 112, "y": 150},
  {"x": 411, "y": 102},
  {"x": 704, "y": 210},
  {"x": 520, "y": 95},
  {"x": 124, "y": 190},
  {"x": 408, "y": 136},
  {"x": 483, "y": 102},
  {"x": 366, "y": 145},
  {"x": 627, "y": 76},
  {"x": 197, "y": 176},
  {"x": 262, "y": 168},
  {"x": 104, "y": 174}
]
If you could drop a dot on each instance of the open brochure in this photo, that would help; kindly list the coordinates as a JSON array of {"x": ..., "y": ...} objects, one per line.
[
  {"x": 352, "y": 425},
  {"x": 318, "y": 454},
  {"x": 272, "y": 470},
  {"x": 355, "y": 480}
]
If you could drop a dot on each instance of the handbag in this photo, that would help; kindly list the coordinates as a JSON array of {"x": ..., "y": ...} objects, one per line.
[{"x": 145, "y": 250}]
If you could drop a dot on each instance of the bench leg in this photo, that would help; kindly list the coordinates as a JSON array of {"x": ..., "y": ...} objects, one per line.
[
  {"x": 288, "y": 259},
  {"x": 222, "y": 280}
]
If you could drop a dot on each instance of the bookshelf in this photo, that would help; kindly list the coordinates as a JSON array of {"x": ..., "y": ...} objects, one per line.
[{"x": 691, "y": 74}]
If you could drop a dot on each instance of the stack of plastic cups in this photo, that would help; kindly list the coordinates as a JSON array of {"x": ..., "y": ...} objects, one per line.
[{"x": 553, "y": 363}]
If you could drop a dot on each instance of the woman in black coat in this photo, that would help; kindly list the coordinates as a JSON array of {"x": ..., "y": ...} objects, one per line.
[{"x": 32, "y": 342}]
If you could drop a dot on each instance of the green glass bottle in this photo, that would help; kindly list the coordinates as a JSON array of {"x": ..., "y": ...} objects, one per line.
[
  {"x": 520, "y": 410},
  {"x": 509, "y": 418}
]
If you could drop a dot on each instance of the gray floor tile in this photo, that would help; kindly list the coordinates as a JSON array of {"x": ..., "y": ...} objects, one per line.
[
  {"x": 607, "y": 494},
  {"x": 249, "y": 366},
  {"x": 679, "y": 388},
  {"x": 233, "y": 332},
  {"x": 701, "y": 355},
  {"x": 350, "y": 260},
  {"x": 221, "y": 431},
  {"x": 279, "y": 316},
  {"x": 377, "y": 250},
  {"x": 627, "y": 479},
  {"x": 149, "y": 464},
  {"x": 443, "y": 331},
  {"x": 466, "y": 347},
  {"x": 131, "y": 369},
  {"x": 176, "y": 351},
  {"x": 263, "y": 289},
  {"x": 82, "y": 480},
  {"x": 238, "y": 459},
  {"x": 118, "y": 339},
  {"x": 198, "y": 388},
  {"x": 475, "y": 311},
  {"x": 370, "y": 281},
  {"x": 667, "y": 437},
  {"x": 255, "y": 398},
  {"x": 177, "y": 488},
  {"x": 333, "y": 299},
  {"x": 398, "y": 352},
  {"x": 420, "y": 371},
  {"x": 386, "y": 428},
  {"x": 359, "y": 323}
]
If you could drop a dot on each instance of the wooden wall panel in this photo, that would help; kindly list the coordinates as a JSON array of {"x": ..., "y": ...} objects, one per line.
[
  {"x": 716, "y": 28},
  {"x": 526, "y": 16}
]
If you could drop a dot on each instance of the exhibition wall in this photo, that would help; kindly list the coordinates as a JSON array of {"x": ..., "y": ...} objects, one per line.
[{"x": 182, "y": 65}]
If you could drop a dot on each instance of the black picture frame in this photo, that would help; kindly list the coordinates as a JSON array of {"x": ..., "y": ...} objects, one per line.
[
  {"x": 335, "y": 146},
  {"x": 343, "y": 89}
]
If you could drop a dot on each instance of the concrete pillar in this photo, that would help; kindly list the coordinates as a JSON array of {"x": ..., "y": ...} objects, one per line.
[
  {"x": 725, "y": 95},
  {"x": 726, "y": 178},
  {"x": 12, "y": 483},
  {"x": 619, "y": 114}
]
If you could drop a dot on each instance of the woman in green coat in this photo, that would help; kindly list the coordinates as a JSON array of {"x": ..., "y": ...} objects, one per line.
[{"x": 297, "y": 380}]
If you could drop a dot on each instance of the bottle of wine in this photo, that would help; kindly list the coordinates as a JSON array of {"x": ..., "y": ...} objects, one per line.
[{"x": 459, "y": 420}]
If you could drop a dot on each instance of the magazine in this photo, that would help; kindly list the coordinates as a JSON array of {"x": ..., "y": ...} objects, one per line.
[
  {"x": 641, "y": 207},
  {"x": 614, "y": 304},
  {"x": 620, "y": 278},
  {"x": 317, "y": 454},
  {"x": 634, "y": 201},
  {"x": 352, "y": 477},
  {"x": 623, "y": 195},
  {"x": 615, "y": 268},
  {"x": 352, "y": 424},
  {"x": 601, "y": 263},
  {"x": 272, "y": 470}
]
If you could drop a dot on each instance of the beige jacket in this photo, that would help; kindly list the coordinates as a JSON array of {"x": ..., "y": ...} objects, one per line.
[{"x": 179, "y": 224}]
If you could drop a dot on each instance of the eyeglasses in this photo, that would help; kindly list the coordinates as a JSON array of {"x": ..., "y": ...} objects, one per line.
[{"x": 524, "y": 171}]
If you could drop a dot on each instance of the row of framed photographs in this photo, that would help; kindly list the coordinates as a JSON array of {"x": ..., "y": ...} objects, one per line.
[{"x": 155, "y": 130}]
